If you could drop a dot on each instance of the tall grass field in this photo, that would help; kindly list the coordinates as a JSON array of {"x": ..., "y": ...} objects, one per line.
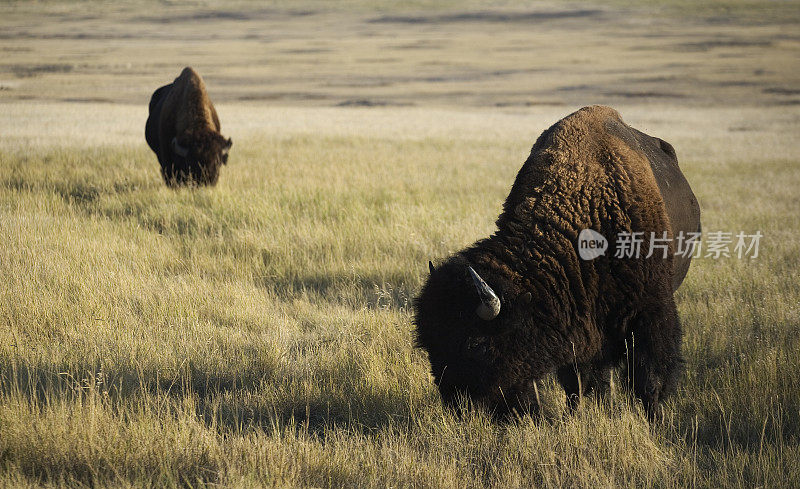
[{"x": 259, "y": 333}]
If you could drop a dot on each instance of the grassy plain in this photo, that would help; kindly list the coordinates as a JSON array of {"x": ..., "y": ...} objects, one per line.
[{"x": 259, "y": 333}]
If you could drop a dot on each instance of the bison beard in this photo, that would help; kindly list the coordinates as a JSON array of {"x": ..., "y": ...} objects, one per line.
[
  {"x": 183, "y": 131},
  {"x": 557, "y": 313}
]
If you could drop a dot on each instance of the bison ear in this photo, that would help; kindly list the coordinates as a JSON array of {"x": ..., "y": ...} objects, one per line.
[
  {"x": 430, "y": 267},
  {"x": 178, "y": 149},
  {"x": 526, "y": 298}
]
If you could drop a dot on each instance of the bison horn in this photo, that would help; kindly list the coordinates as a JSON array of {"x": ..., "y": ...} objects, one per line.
[
  {"x": 178, "y": 149},
  {"x": 490, "y": 304}
]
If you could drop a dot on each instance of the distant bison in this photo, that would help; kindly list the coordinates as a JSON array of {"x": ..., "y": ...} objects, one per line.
[
  {"x": 520, "y": 304},
  {"x": 183, "y": 131}
]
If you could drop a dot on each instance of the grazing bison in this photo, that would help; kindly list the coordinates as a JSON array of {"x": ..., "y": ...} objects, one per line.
[
  {"x": 520, "y": 304},
  {"x": 183, "y": 131}
]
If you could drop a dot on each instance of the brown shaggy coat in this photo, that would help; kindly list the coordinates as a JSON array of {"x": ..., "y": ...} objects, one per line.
[
  {"x": 559, "y": 313},
  {"x": 184, "y": 131}
]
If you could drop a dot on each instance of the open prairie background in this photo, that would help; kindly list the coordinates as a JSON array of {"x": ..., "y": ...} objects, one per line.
[{"x": 259, "y": 333}]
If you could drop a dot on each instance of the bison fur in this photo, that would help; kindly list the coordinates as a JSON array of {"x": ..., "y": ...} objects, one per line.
[
  {"x": 183, "y": 130},
  {"x": 555, "y": 312}
]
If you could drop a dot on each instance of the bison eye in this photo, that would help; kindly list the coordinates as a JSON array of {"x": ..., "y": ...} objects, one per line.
[{"x": 475, "y": 347}]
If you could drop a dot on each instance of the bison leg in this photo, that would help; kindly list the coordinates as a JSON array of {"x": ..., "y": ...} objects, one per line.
[
  {"x": 581, "y": 380},
  {"x": 174, "y": 175},
  {"x": 654, "y": 359}
]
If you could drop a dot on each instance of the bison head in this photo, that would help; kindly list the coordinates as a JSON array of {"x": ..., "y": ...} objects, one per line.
[
  {"x": 467, "y": 319},
  {"x": 202, "y": 153}
]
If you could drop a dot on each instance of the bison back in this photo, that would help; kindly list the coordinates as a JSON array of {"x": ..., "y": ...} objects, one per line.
[
  {"x": 151, "y": 128},
  {"x": 680, "y": 202}
]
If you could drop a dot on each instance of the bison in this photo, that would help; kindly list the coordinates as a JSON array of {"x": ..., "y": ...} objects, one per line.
[
  {"x": 513, "y": 307},
  {"x": 183, "y": 131}
]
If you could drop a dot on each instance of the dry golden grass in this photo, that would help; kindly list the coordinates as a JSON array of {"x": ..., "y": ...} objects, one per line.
[{"x": 259, "y": 333}]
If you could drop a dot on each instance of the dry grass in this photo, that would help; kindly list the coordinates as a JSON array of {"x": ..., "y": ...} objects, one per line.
[{"x": 258, "y": 333}]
